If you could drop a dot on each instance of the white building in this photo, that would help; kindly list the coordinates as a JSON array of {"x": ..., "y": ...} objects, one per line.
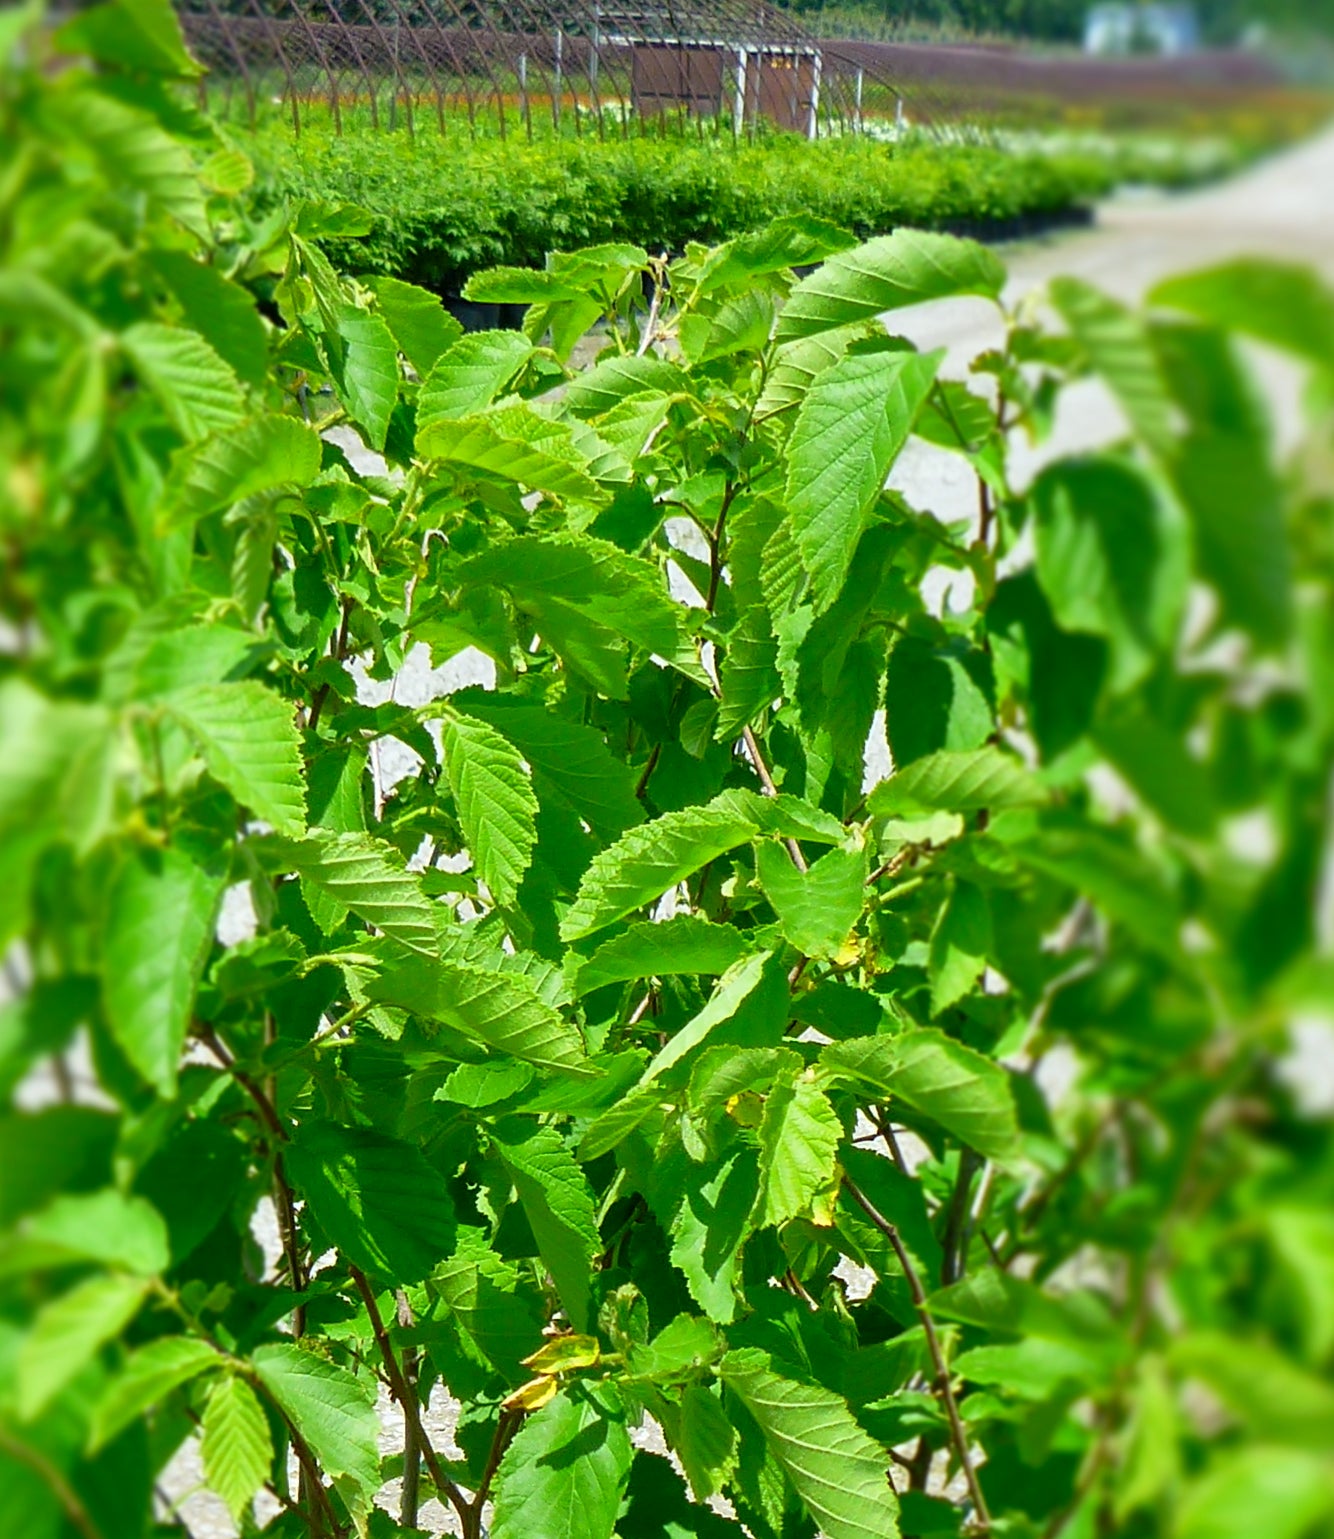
[{"x": 1123, "y": 28}]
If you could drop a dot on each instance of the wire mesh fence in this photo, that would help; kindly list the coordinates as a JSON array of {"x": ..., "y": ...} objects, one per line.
[{"x": 530, "y": 67}]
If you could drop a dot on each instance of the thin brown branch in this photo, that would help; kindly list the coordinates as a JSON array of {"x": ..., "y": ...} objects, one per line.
[
  {"x": 407, "y": 1399},
  {"x": 652, "y": 764},
  {"x": 339, "y": 652},
  {"x": 896, "y": 863},
  {"x": 506, "y": 1427},
  {"x": 716, "y": 546},
  {"x": 54, "y": 1481},
  {"x": 770, "y": 789},
  {"x": 283, "y": 1199},
  {"x": 312, "y": 1487},
  {"x": 410, "y": 1497},
  {"x": 944, "y": 1386}
]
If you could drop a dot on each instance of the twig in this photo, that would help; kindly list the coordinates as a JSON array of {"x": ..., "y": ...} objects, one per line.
[
  {"x": 901, "y": 858},
  {"x": 650, "y": 320},
  {"x": 56, "y": 1483},
  {"x": 506, "y": 1427},
  {"x": 716, "y": 546},
  {"x": 770, "y": 789},
  {"x": 340, "y": 648},
  {"x": 407, "y": 1400},
  {"x": 648, "y": 771},
  {"x": 412, "y": 1454},
  {"x": 944, "y": 1388},
  {"x": 312, "y": 1485},
  {"x": 954, "y": 1242}
]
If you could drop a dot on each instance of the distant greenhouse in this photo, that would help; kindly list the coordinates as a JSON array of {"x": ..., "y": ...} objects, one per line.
[{"x": 516, "y": 65}]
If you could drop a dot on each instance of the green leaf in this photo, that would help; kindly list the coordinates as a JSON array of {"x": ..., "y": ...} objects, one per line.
[
  {"x": 749, "y": 673},
  {"x": 379, "y": 1200},
  {"x": 66, "y": 1335},
  {"x": 1122, "y": 883},
  {"x": 569, "y": 760},
  {"x": 906, "y": 268},
  {"x": 1159, "y": 767},
  {"x": 496, "y": 1303},
  {"x": 481, "y": 444},
  {"x": 1257, "y": 1489},
  {"x": 501, "y": 1010},
  {"x": 682, "y": 944},
  {"x": 1279, "y": 302},
  {"x": 679, "y": 1349},
  {"x": 265, "y": 454},
  {"x": 1112, "y": 559},
  {"x": 196, "y": 389},
  {"x": 564, "y": 1474},
  {"x": 958, "y": 782},
  {"x": 104, "y": 1226},
  {"x": 249, "y": 740},
  {"x": 1267, "y": 1392},
  {"x": 967, "y": 1094},
  {"x": 794, "y": 240},
  {"x": 1235, "y": 500},
  {"x": 140, "y": 35},
  {"x": 710, "y": 1220},
  {"x": 849, "y": 429},
  {"x": 799, "y": 1138},
  {"x": 159, "y": 927},
  {"x": 495, "y": 802},
  {"x": 1152, "y": 1464},
  {"x": 960, "y": 945},
  {"x": 468, "y": 376},
  {"x": 705, "y": 1441},
  {"x": 742, "y": 324},
  {"x": 734, "y": 988},
  {"x": 354, "y": 872},
  {"x": 608, "y": 382},
  {"x": 145, "y": 1380},
  {"x": 645, "y": 862},
  {"x": 796, "y": 365},
  {"x": 134, "y": 152},
  {"x": 567, "y": 575},
  {"x": 559, "y": 1205},
  {"x": 1116, "y": 343},
  {"x": 333, "y": 1411},
  {"x": 816, "y": 908},
  {"x": 236, "y": 1445},
  {"x": 518, "y": 286},
  {"x": 221, "y": 311},
  {"x": 840, "y": 1475},
  {"x": 369, "y": 374},
  {"x": 420, "y": 324}
]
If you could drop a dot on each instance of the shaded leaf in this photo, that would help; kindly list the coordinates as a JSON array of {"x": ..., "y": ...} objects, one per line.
[
  {"x": 969, "y": 1095},
  {"x": 840, "y": 1475},
  {"x": 378, "y": 1199},
  {"x": 159, "y": 928},
  {"x": 495, "y": 801},
  {"x": 559, "y": 1204}
]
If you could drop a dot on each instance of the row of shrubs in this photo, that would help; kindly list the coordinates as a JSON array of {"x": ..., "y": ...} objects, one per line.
[{"x": 446, "y": 206}]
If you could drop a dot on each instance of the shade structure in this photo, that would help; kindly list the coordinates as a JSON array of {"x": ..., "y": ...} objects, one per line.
[{"x": 511, "y": 66}]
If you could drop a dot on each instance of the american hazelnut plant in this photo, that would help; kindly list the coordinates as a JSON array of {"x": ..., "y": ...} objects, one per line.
[{"x": 746, "y": 1141}]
